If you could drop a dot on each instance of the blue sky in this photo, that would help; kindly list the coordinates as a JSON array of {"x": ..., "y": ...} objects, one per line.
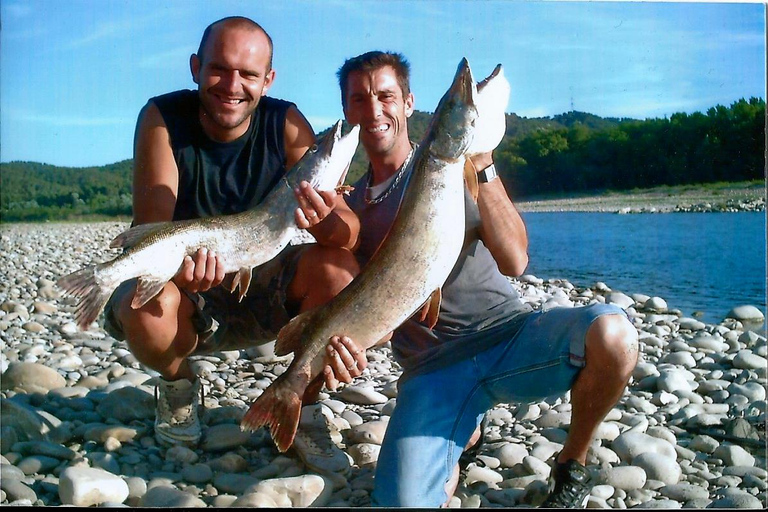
[{"x": 75, "y": 73}]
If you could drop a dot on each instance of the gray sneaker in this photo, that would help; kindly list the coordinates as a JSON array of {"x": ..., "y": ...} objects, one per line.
[
  {"x": 569, "y": 485},
  {"x": 176, "y": 419},
  {"x": 314, "y": 445}
]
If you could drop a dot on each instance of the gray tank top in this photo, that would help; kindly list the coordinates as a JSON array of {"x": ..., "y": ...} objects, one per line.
[{"x": 479, "y": 307}]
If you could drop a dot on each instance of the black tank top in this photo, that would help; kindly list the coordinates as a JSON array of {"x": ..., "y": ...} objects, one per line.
[{"x": 217, "y": 178}]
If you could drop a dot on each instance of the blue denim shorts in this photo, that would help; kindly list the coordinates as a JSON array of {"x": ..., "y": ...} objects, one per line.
[
  {"x": 221, "y": 320},
  {"x": 421, "y": 449}
]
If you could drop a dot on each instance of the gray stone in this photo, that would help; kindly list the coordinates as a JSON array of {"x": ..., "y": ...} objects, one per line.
[
  {"x": 32, "y": 378},
  {"x": 166, "y": 496},
  {"x": 225, "y": 436},
  {"x": 127, "y": 404},
  {"x": 626, "y": 478},
  {"x": 362, "y": 395},
  {"x": 734, "y": 455},
  {"x": 630, "y": 444},
  {"x": 44, "y": 448},
  {"x": 659, "y": 467},
  {"x": 746, "y": 312},
  {"x": 37, "y": 464},
  {"x": 197, "y": 473},
  {"x": 511, "y": 454},
  {"x": 684, "y": 492},
  {"x": 370, "y": 432},
  {"x": 17, "y": 490},
  {"x": 746, "y": 359},
  {"x": 232, "y": 483},
  {"x": 300, "y": 491},
  {"x": 27, "y": 424}
]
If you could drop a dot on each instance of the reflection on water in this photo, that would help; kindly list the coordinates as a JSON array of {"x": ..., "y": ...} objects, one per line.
[{"x": 701, "y": 263}]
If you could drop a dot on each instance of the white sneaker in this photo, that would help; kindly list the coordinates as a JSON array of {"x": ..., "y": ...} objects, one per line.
[
  {"x": 176, "y": 419},
  {"x": 314, "y": 445}
]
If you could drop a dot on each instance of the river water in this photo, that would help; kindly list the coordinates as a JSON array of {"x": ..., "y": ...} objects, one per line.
[{"x": 700, "y": 263}]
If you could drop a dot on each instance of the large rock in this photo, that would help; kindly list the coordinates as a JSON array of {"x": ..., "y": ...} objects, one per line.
[
  {"x": 83, "y": 487},
  {"x": 749, "y": 313},
  {"x": 127, "y": 404},
  {"x": 32, "y": 378},
  {"x": 25, "y": 422},
  {"x": 659, "y": 467},
  {"x": 631, "y": 444},
  {"x": 298, "y": 491},
  {"x": 170, "y": 497}
]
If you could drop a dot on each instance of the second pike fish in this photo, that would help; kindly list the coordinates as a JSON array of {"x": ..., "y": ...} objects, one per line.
[
  {"x": 410, "y": 266},
  {"x": 155, "y": 252}
]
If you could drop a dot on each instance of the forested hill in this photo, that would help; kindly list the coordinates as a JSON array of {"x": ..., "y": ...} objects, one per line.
[{"x": 569, "y": 153}]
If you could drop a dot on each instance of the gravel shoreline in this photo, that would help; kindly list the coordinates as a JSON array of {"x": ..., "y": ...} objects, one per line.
[
  {"x": 77, "y": 410},
  {"x": 736, "y": 198}
]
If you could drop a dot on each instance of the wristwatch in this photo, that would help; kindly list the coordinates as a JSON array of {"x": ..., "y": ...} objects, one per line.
[{"x": 487, "y": 174}]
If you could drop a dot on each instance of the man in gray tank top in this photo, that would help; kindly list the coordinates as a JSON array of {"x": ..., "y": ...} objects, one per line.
[
  {"x": 488, "y": 347},
  {"x": 220, "y": 150}
]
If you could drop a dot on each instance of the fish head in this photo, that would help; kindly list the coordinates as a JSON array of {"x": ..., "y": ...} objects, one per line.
[
  {"x": 452, "y": 125},
  {"x": 492, "y": 101},
  {"x": 325, "y": 164}
]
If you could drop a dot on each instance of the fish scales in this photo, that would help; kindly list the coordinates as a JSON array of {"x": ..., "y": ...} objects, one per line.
[
  {"x": 413, "y": 261},
  {"x": 154, "y": 253}
]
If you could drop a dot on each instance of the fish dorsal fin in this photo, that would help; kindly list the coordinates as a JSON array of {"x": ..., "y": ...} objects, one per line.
[
  {"x": 146, "y": 289},
  {"x": 289, "y": 338},
  {"x": 132, "y": 236},
  {"x": 470, "y": 178},
  {"x": 431, "y": 309},
  {"x": 242, "y": 280}
]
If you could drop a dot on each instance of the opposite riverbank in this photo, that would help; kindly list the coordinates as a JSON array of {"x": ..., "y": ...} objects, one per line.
[{"x": 719, "y": 197}]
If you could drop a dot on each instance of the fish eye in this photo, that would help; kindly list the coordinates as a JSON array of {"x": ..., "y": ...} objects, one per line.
[{"x": 313, "y": 148}]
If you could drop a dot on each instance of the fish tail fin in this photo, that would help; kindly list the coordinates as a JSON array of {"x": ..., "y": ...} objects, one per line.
[
  {"x": 92, "y": 296},
  {"x": 290, "y": 336},
  {"x": 278, "y": 408}
]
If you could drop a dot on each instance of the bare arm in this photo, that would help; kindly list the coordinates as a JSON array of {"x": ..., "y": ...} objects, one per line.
[
  {"x": 155, "y": 190},
  {"x": 502, "y": 228},
  {"x": 324, "y": 214}
]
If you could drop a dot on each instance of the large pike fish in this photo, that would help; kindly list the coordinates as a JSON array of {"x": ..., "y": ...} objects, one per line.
[
  {"x": 155, "y": 252},
  {"x": 406, "y": 272}
]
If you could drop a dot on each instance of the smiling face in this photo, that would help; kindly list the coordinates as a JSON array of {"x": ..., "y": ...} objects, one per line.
[
  {"x": 375, "y": 101},
  {"x": 232, "y": 74}
]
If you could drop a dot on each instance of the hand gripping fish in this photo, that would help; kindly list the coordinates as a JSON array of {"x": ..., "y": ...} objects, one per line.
[
  {"x": 412, "y": 263},
  {"x": 155, "y": 252}
]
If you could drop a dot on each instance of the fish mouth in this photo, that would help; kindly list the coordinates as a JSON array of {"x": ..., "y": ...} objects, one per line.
[{"x": 463, "y": 86}]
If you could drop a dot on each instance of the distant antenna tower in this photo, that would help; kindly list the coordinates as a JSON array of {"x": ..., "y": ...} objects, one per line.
[{"x": 571, "y": 89}]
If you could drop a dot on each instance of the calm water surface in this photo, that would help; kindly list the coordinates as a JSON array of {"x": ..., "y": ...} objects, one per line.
[{"x": 703, "y": 263}]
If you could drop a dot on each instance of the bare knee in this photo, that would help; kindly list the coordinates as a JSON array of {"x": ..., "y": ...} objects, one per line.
[
  {"x": 161, "y": 330},
  {"x": 612, "y": 341}
]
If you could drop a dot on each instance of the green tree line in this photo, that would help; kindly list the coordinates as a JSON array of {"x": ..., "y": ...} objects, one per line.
[{"x": 573, "y": 152}]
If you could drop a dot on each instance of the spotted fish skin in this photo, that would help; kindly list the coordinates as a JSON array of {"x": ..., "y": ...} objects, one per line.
[{"x": 154, "y": 253}]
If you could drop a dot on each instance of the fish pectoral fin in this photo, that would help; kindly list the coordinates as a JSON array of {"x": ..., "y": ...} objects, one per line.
[
  {"x": 470, "y": 178},
  {"x": 132, "y": 236},
  {"x": 242, "y": 280},
  {"x": 146, "y": 289},
  {"x": 289, "y": 337},
  {"x": 431, "y": 309}
]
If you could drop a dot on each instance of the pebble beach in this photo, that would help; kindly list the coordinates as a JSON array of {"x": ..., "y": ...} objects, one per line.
[{"x": 77, "y": 409}]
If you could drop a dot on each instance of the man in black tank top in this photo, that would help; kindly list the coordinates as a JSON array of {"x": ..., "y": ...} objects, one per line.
[
  {"x": 220, "y": 150},
  {"x": 487, "y": 347}
]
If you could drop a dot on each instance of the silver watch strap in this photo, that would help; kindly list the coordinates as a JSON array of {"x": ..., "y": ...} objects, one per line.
[{"x": 487, "y": 174}]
